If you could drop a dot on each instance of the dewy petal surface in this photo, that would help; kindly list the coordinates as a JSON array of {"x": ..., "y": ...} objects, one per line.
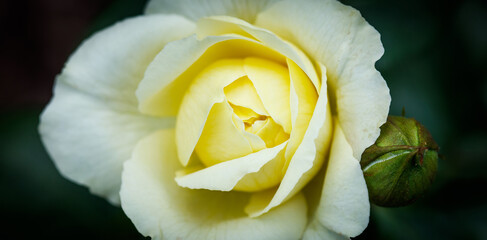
[
  {"x": 337, "y": 36},
  {"x": 92, "y": 124},
  {"x": 194, "y": 10},
  {"x": 161, "y": 209}
]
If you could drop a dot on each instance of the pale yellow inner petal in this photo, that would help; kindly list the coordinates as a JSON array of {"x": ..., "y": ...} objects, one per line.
[
  {"x": 242, "y": 93},
  {"x": 303, "y": 105},
  {"x": 256, "y": 126},
  {"x": 267, "y": 177},
  {"x": 255, "y": 141},
  {"x": 252, "y": 172},
  {"x": 271, "y": 81},
  {"x": 247, "y": 115},
  {"x": 272, "y": 133},
  {"x": 206, "y": 90},
  {"x": 221, "y": 140}
]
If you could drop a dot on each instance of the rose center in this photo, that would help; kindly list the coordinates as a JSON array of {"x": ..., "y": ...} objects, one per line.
[
  {"x": 260, "y": 125},
  {"x": 249, "y": 113}
]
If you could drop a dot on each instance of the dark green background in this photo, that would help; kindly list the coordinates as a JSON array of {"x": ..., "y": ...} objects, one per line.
[{"x": 435, "y": 64}]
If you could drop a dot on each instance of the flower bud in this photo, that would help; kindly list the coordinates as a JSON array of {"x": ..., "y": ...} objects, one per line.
[{"x": 401, "y": 165}]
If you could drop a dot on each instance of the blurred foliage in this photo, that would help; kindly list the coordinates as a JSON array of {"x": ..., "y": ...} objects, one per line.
[{"x": 434, "y": 64}]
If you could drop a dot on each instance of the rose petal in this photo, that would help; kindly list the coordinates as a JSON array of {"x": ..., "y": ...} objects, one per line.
[
  {"x": 220, "y": 139},
  {"x": 92, "y": 124},
  {"x": 111, "y": 63},
  {"x": 270, "y": 175},
  {"x": 271, "y": 82},
  {"x": 224, "y": 176},
  {"x": 161, "y": 209},
  {"x": 256, "y": 143},
  {"x": 244, "y": 9},
  {"x": 242, "y": 93},
  {"x": 204, "y": 92},
  {"x": 338, "y": 36},
  {"x": 244, "y": 113},
  {"x": 272, "y": 133},
  {"x": 316, "y": 231},
  {"x": 302, "y": 104},
  {"x": 344, "y": 206}
]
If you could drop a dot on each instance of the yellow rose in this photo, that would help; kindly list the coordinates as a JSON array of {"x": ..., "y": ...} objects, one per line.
[{"x": 236, "y": 119}]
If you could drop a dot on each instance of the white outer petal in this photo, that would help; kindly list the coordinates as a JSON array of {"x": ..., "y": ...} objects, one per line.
[
  {"x": 344, "y": 206},
  {"x": 194, "y": 10},
  {"x": 161, "y": 209},
  {"x": 316, "y": 231},
  {"x": 92, "y": 124},
  {"x": 110, "y": 64}
]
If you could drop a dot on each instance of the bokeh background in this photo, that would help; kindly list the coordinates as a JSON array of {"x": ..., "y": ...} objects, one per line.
[{"x": 435, "y": 64}]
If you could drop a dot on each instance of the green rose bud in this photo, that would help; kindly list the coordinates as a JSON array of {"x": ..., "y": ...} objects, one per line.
[{"x": 401, "y": 165}]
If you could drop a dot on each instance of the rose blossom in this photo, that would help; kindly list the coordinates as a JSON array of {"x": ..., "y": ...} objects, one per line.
[{"x": 237, "y": 119}]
